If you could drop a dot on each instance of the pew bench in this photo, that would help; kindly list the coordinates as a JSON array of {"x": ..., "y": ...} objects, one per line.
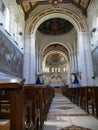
[
  {"x": 12, "y": 98},
  {"x": 41, "y": 97},
  {"x": 30, "y": 93},
  {"x": 94, "y": 101},
  {"x": 4, "y": 124}
]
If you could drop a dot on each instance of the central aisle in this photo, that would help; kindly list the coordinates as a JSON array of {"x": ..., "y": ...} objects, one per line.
[{"x": 64, "y": 115}]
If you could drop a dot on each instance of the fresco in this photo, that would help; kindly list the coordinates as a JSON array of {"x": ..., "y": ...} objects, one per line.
[
  {"x": 95, "y": 61},
  {"x": 11, "y": 59},
  {"x": 55, "y": 26}
]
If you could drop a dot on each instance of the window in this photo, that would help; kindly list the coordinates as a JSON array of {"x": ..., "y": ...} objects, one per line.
[
  {"x": 7, "y": 20},
  {"x": 52, "y": 70},
  {"x": 55, "y": 70},
  {"x": 47, "y": 69},
  {"x": 59, "y": 70},
  {"x": 64, "y": 69}
]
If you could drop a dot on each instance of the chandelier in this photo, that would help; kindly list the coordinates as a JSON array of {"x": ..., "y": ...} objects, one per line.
[{"x": 55, "y": 2}]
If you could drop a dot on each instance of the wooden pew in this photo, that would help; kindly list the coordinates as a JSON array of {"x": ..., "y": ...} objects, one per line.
[
  {"x": 87, "y": 98},
  {"x": 81, "y": 94},
  {"x": 42, "y": 96},
  {"x": 41, "y": 105},
  {"x": 48, "y": 96},
  {"x": 94, "y": 101},
  {"x": 5, "y": 124},
  {"x": 12, "y": 91},
  {"x": 30, "y": 93}
]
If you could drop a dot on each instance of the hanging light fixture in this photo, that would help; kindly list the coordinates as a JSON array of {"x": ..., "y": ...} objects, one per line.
[{"x": 55, "y": 2}]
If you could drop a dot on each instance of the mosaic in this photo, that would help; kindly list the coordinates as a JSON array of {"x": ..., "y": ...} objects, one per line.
[{"x": 73, "y": 127}]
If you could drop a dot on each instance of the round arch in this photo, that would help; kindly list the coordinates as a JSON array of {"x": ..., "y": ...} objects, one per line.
[
  {"x": 53, "y": 52},
  {"x": 67, "y": 46},
  {"x": 76, "y": 18},
  {"x": 43, "y": 47},
  {"x": 73, "y": 15}
]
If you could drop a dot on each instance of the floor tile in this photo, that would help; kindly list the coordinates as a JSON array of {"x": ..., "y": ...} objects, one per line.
[{"x": 63, "y": 115}]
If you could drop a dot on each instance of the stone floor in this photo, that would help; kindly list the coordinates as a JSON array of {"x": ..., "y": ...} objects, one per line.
[{"x": 64, "y": 115}]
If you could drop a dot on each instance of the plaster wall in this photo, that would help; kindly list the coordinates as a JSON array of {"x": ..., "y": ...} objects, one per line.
[
  {"x": 16, "y": 14},
  {"x": 92, "y": 14}
]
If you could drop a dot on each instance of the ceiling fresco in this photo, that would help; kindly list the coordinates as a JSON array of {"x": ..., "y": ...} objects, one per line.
[{"x": 55, "y": 26}]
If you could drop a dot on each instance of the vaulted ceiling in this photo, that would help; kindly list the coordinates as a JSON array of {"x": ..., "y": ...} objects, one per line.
[
  {"x": 55, "y": 26},
  {"x": 29, "y": 5}
]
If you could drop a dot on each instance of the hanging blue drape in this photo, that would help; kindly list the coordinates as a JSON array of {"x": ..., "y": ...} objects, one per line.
[
  {"x": 38, "y": 80},
  {"x": 76, "y": 81}
]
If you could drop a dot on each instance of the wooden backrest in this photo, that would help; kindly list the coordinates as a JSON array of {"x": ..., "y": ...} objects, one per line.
[{"x": 12, "y": 90}]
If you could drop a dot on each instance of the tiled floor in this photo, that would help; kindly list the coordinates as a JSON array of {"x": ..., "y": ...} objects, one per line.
[{"x": 64, "y": 115}]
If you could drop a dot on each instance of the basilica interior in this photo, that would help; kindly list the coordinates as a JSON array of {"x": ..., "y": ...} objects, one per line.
[{"x": 48, "y": 64}]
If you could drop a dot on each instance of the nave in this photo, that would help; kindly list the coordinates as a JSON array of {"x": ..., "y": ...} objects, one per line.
[{"x": 64, "y": 115}]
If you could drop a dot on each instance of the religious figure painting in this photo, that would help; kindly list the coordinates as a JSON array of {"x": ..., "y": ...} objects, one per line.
[
  {"x": 95, "y": 61},
  {"x": 55, "y": 26},
  {"x": 11, "y": 59}
]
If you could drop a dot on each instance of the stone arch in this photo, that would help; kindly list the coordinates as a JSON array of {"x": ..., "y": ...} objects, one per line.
[
  {"x": 51, "y": 52},
  {"x": 75, "y": 17},
  {"x": 72, "y": 14},
  {"x": 67, "y": 46}
]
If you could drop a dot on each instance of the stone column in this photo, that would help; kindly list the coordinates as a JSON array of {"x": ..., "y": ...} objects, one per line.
[
  {"x": 40, "y": 59},
  {"x": 84, "y": 59},
  {"x": 29, "y": 59},
  {"x": 33, "y": 60},
  {"x": 75, "y": 56},
  {"x": 72, "y": 62}
]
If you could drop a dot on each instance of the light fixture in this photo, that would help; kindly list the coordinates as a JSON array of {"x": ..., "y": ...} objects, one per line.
[{"x": 55, "y": 2}]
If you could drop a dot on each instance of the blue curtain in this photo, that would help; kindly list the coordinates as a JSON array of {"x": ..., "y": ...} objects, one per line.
[
  {"x": 76, "y": 81},
  {"x": 38, "y": 80}
]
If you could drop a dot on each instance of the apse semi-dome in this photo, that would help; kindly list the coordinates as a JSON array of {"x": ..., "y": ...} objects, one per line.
[{"x": 55, "y": 26}]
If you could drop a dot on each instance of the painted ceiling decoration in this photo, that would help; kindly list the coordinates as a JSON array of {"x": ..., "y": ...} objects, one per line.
[
  {"x": 55, "y": 26},
  {"x": 29, "y": 5},
  {"x": 55, "y": 59},
  {"x": 55, "y": 47}
]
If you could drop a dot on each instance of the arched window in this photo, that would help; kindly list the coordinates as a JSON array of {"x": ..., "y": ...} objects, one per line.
[
  {"x": 7, "y": 20},
  {"x": 59, "y": 70},
  {"x": 64, "y": 69},
  {"x": 52, "y": 70}
]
